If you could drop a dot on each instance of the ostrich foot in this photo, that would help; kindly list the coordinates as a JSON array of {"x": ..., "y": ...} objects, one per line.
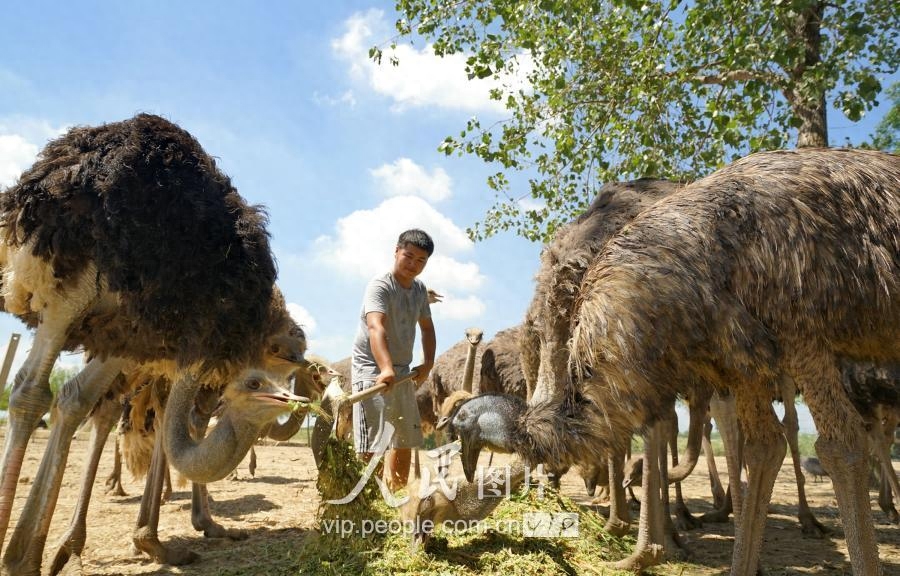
[
  {"x": 67, "y": 559},
  {"x": 719, "y": 516},
  {"x": 216, "y": 530},
  {"x": 66, "y": 563},
  {"x": 684, "y": 520},
  {"x": 812, "y": 527},
  {"x": 616, "y": 527},
  {"x": 651, "y": 555},
  {"x": 114, "y": 487},
  {"x": 171, "y": 555},
  {"x": 600, "y": 501}
]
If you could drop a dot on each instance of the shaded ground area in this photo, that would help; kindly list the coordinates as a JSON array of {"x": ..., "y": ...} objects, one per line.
[{"x": 278, "y": 508}]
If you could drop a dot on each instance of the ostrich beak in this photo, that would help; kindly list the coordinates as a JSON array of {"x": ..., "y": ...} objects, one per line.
[
  {"x": 590, "y": 484},
  {"x": 471, "y": 449},
  {"x": 282, "y": 397},
  {"x": 442, "y": 423}
]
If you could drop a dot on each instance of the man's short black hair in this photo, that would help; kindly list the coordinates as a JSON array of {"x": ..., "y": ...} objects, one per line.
[{"x": 418, "y": 238}]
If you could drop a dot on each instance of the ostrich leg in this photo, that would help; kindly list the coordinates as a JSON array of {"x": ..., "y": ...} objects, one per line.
[
  {"x": 722, "y": 411},
  {"x": 619, "y": 515},
  {"x": 809, "y": 525},
  {"x": 841, "y": 446},
  {"x": 29, "y": 399},
  {"x": 652, "y": 532},
  {"x": 763, "y": 452},
  {"x": 201, "y": 519},
  {"x": 146, "y": 537},
  {"x": 76, "y": 398},
  {"x": 684, "y": 520},
  {"x": 68, "y": 554},
  {"x": 114, "y": 480},
  {"x": 715, "y": 483},
  {"x": 882, "y": 435}
]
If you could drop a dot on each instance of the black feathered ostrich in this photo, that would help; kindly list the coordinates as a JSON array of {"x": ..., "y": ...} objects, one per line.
[
  {"x": 147, "y": 386},
  {"x": 126, "y": 239}
]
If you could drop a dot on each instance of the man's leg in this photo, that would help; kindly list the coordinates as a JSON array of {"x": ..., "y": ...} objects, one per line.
[{"x": 397, "y": 467}]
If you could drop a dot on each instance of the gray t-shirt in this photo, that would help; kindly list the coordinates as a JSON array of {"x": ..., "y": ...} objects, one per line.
[{"x": 402, "y": 308}]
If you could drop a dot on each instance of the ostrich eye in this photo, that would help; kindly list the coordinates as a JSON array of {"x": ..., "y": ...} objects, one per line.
[{"x": 254, "y": 384}]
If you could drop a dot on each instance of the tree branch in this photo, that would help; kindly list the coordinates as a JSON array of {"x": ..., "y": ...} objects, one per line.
[{"x": 735, "y": 76}]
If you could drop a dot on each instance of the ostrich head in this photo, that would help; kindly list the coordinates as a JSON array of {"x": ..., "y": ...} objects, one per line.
[
  {"x": 285, "y": 350},
  {"x": 487, "y": 421},
  {"x": 449, "y": 407},
  {"x": 634, "y": 471},
  {"x": 258, "y": 398}
]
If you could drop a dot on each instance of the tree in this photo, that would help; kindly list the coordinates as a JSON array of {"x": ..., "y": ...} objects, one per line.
[
  {"x": 887, "y": 133},
  {"x": 628, "y": 88}
]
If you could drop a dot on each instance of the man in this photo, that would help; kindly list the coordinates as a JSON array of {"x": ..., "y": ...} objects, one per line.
[{"x": 393, "y": 305}]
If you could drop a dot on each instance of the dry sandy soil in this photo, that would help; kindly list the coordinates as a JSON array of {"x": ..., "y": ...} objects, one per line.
[{"x": 278, "y": 507}]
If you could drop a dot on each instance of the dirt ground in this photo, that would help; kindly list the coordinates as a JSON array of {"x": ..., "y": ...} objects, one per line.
[{"x": 277, "y": 508}]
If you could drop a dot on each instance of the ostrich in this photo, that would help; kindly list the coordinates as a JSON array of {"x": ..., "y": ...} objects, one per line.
[
  {"x": 814, "y": 467},
  {"x": 781, "y": 263},
  {"x": 453, "y": 370},
  {"x": 548, "y": 321},
  {"x": 501, "y": 364},
  {"x": 148, "y": 386},
  {"x": 125, "y": 239},
  {"x": 500, "y": 371},
  {"x": 309, "y": 382},
  {"x": 874, "y": 390}
]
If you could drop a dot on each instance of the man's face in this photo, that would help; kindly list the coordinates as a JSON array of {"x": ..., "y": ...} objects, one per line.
[{"x": 409, "y": 261}]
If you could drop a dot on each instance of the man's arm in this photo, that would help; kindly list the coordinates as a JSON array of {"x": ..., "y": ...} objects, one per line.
[
  {"x": 429, "y": 345},
  {"x": 379, "y": 345}
]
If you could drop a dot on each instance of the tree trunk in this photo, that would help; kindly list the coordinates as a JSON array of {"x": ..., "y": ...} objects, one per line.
[{"x": 809, "y": 105}]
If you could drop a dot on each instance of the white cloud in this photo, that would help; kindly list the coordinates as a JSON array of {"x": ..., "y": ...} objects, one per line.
[
  {"x": 302, "y": 317},
  {"x": 406, "y": 178},
  {"x": 346, "y": 98},
  {"x": 421, "y": 78},
  {"x": 453, "y": 308},
  {"x": 363, "y": 244},
  {"x": 20, "y": 141},
  {"x": 16, "y": 154},
  {"x": 529, "y": 203}
]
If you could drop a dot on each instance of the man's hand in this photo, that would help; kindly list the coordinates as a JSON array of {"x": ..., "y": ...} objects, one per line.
[
  {"x": 422, "y": 371},
  {"x": 388, "y": 377}
]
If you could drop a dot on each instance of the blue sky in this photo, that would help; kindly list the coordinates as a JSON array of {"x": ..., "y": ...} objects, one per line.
[{"x": 342, "y": 152}]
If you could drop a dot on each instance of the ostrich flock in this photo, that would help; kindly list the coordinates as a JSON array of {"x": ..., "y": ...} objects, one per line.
[{"x": 775, "y": 276}]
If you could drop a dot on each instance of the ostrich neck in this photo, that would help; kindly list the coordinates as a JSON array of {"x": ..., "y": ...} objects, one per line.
[
  {"x": 469, "y": 373},
  {"x": 284, "y": 431},
  {"x": 212, "y": 457}
]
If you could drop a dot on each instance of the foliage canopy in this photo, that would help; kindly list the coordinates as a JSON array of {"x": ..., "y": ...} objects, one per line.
[{"x": 629, "y": 88}]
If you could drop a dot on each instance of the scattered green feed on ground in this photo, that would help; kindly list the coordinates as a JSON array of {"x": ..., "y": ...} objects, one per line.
[{"x": 494, "y": 546}]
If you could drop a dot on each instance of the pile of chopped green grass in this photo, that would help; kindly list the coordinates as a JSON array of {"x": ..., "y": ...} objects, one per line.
[
  {"x": 340, "y": 473},
  {"x": 495, "y": 546}
]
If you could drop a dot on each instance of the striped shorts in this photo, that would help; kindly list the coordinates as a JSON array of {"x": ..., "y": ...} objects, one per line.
[{"x": 397, "y": 407}]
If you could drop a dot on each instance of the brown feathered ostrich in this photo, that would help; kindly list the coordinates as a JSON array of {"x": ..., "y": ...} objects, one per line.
[
  {"x": 781, "y": 263},
  {"x": 547, "y": 328},
  {"x": 501, "y": 364},
  {"x": 125, "y": 239},
  {"x": 874, "y": 390}
]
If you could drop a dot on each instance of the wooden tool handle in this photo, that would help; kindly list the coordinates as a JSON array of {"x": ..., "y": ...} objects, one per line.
[{"x": 376, "y": 389}]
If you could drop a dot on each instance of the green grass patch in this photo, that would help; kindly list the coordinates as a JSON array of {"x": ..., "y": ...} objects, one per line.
[{"x": 493, "y": 546}]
